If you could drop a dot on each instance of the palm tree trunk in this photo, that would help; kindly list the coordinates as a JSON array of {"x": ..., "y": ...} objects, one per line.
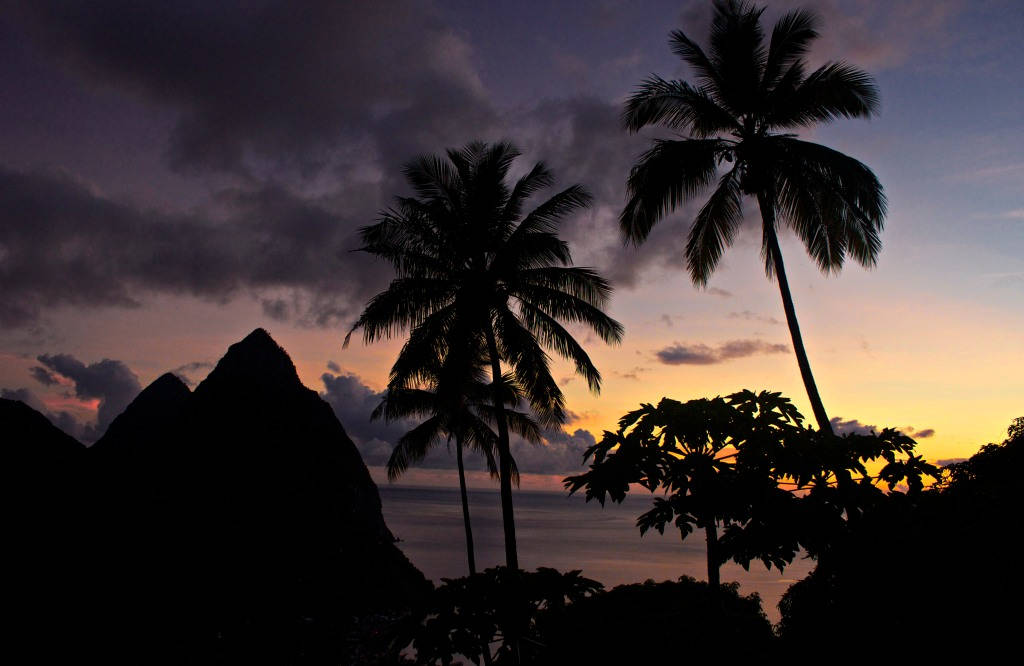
[
  {"x": 714, "y": 575},
  {"x": 470, "y": 555},
  {"x": 504, "y": 457},
  {"x": 768, "y": 220}
]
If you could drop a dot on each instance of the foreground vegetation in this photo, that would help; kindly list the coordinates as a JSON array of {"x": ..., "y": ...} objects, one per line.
[{"x": 928, "y": 561}]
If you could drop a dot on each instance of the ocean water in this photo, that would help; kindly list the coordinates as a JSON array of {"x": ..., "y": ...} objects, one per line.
[{"x": 565, "y": 533}]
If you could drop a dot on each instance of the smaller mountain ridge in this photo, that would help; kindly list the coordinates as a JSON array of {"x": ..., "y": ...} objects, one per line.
[
  {"x": 155, "y": 409},
  {"x": 29, "y": 436}
]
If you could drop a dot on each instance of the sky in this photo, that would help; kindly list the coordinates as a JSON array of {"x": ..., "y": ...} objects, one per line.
[{"x": 174, "y": 175}]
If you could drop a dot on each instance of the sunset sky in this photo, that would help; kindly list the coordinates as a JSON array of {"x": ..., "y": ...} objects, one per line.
[{"x": 174, "y": 176}]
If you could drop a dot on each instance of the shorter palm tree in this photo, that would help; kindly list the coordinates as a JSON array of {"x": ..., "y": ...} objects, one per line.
[{"x": 456, "y": 402}]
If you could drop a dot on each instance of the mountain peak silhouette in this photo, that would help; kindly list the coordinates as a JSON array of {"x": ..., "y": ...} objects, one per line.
[
  {"x": 154, "y": 410},
  {"x": 256, "y": 363}
]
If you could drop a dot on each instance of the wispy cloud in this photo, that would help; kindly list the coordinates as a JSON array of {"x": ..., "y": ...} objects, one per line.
[
  {"x": 747, "y": 315},
  {"x": 701, "y": 354}
]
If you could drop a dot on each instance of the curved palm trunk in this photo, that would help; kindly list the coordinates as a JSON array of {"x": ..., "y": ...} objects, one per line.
[
  {"x": 768, "y": 220},
  {"x": 470, "y": 555},
  {"x": 504, "y": 457}
]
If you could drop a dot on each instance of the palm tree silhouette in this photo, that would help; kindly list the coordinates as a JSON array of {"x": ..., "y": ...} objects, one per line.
[
  {"x": 473, "y": 271},
  {"x": 745, "y": 98},
  {"x": 455, "y": 404}
]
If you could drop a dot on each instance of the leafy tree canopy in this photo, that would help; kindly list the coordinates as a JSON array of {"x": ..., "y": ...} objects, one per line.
[{"x": 746, "y": 463}]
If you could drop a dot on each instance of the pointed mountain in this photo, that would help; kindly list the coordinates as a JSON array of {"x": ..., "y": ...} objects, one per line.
[
  {"x": 155, "y": 410},
  {"x": 28, "y": 436},
  {"x": 41, "y": 481},
  {"x": 249, "y": 526},
  {"x": 256, "y": 364}
]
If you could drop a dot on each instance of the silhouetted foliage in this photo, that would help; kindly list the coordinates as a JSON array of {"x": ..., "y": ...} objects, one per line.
[
  {"x": 495, "y": 610},
  {"x": 939, "y": 563},
  {"x": 735, "y": 121},
  {"x": 659, "y": 623},
  {"x": 745, "y": 470},
  {"x": 473, "y": 270}
]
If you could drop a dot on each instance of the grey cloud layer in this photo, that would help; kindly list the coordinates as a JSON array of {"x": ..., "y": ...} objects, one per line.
[
  {"x": 843, "y": 426},
  {"x": 65, "y": 245},
  {"x": 270, "y": 80},
  {"x": 353, "y": 401},
  {"x": 701, "y": 354},
  {"x": 331, "y": 99},
  {"x": 109, "y": 381}
]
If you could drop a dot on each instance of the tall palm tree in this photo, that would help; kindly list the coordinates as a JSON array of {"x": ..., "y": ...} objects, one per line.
[
  {"x": 455, "y": 404},
  {"x": 746, "y": 97},
  {"x": 472, "y": 270}
]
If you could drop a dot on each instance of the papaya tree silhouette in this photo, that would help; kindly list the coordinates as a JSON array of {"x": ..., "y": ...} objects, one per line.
[
  {"x": 472, "y": 270},
  {"x": 454, "y": 403},
  {"x": 746, "y": 471},
  {"x": 747, "y": 97}
]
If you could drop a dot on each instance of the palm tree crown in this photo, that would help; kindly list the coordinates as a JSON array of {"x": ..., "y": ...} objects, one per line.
[
  {"x": 747, "y": 98},
  {"x": 472, "y": 271},
  {"x": 454, "y": 404}
]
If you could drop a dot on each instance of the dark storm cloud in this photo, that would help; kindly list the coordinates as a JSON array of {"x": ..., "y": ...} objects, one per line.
[
  {"x": 701, "y": 354},
  {"x": 353, "y": 402},
  {"x": 109, "y": 381},
  {"x": 62, "y": 244},
  {"x": 293, "y": 83},
  {"x": 582, "y": 140},
  {"x": 331, "y": 98},
  {"x": 560, "y": 452},
  {"x": 43, "y": 376},
  {"x": 843, "y": 426}
]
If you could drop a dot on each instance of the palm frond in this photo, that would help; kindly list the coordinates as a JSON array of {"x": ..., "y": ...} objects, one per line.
[
  {"x": 548, "y": 215},
  {"x": 576, "y": 281},
  {"x": 567, "y": 307},
  {"x": 535, "y": 180},
  {"x": 413, "y": 446},
  {"x": 666, "y": 176},
  {"x": 404, "y": 304},
  {"x": 713, "y": 228},
  {"x": 738, "y": 53},
  {"x": 553, "y": 335},
  {"x": 833, "y": 201},
  {"x": 433, "y": 178},
  {"x": 791, "y": 38},
  {"x": 676, "y": 105},
  {"x": 531, "y": 365},
  {"x": 832, "y": 91},
  {"x": 693, "y": 55}
]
